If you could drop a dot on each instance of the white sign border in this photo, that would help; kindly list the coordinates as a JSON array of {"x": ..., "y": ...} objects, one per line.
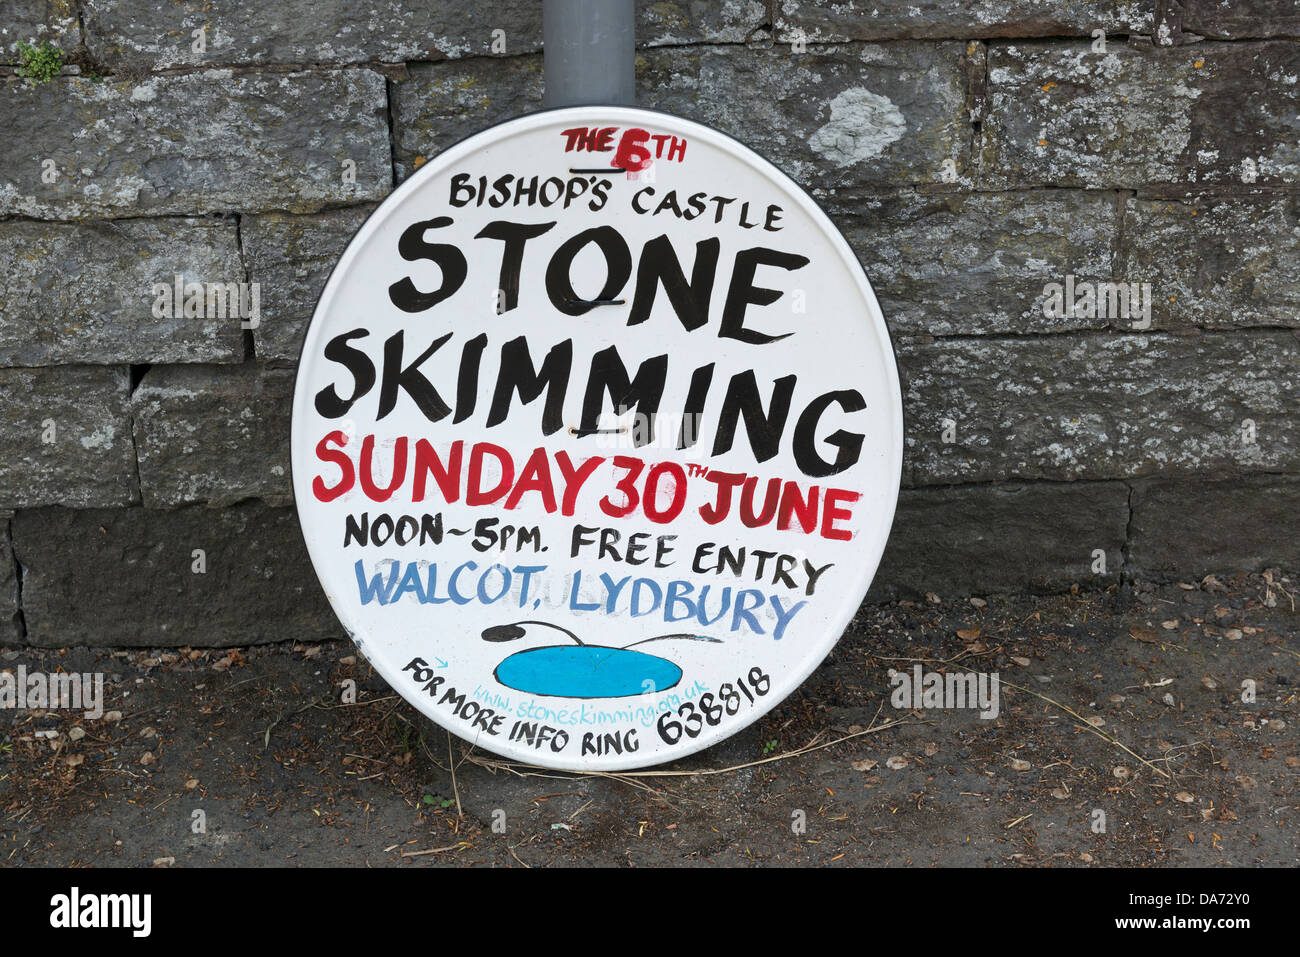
[{"x": 622, "y": 116}]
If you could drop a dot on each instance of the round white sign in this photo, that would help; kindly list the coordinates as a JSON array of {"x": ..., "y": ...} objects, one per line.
[{"x": 597, "y": 437}]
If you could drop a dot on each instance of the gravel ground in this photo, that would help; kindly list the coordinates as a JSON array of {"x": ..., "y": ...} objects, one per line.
[{"x": 1123, "y": 740}]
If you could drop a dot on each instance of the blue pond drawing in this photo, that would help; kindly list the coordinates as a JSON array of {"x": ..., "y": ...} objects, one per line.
[
  {"x": 586, "y": 671},
  {"x": 580, "y": 670}
]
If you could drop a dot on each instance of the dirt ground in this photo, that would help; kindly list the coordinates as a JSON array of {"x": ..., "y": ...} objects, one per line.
[{"x": 1123, "y": 740}]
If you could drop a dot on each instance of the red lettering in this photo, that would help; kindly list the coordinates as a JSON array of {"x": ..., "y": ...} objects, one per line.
[
  {"x": 326, "y": 454},
  {"x": 832, "y": 513},
  {"x": 573, "y": 138},
  {"x": 536, "y": 477},
  {"x": 632, "y": 154},
  {"x": 428, "y": 462},
  {"x": 748, "y": 516},
  {"x": 574, "y": 478},
  {"x": 792, "y": 505},
  {"x": 715, "y": 512},
  {"x": 368, "y": 485},
  {"x": 474, "y": 493},
  {"x": 627, "y": 485}
]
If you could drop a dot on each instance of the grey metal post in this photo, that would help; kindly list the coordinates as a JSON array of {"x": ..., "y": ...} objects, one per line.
[{"x": 590, "y": 49}]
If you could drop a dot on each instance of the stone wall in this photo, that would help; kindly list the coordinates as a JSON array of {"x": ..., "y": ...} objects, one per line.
[{"x": 974, "y": 152}]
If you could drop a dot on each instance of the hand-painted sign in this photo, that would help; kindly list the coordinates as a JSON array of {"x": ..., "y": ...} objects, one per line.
[{"x": 597, "y": 437}]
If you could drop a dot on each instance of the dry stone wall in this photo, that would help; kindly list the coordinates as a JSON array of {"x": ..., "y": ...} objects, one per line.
[{"x": 978, "y": 155}]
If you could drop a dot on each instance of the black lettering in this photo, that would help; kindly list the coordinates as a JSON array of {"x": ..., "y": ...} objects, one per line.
[
  {"x": 449, "y": 260},
  {"x": 609, "y": 375},
  {"x": 419, "y": 388},
  {"x": 328, "y": 402},
  {"x": 742, "y": 292},
  {"x": 618, "y": 263},
  {"x": 517, "y": 375},
  {"x": 848, "y": 445},
  {"x": 659, "y": 264},
  {"x": 514, "y": 235},
  {"x": 763, "y": 428}
]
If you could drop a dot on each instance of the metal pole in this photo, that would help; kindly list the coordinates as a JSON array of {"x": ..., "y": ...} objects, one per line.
[{"x": 590, "y": 51}]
